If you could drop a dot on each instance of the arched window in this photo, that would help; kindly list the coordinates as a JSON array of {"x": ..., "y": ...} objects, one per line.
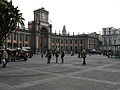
[{"x": 44, "y": 30}]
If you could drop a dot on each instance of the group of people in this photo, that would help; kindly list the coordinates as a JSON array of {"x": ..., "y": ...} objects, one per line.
[
  {"x": 62, "y": 54},
  {"x": 4, "y": 57},
  {"x": 56, "y": 54}
]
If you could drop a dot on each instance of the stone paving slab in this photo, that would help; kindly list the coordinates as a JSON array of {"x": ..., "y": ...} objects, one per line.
[
  {"x": 8, "y": 69},
  {"x": 72, "y": 84},
  {"x": 116, "y": 66},
  {"x": 23, "y": 76},
  {"x": 34, "y": 65},
  {"x": 60, "y": 69},
  {"x": 89, "y": 64},
  {"x": 101, "y": 75}
]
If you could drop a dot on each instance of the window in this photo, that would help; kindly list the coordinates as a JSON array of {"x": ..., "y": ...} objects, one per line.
[
  {"x": 57, "y": 40},
  {"x": 75, "y": 47},
  {"x": 14, "y": 36},
  {"x": 114, "y": 42},
  {"x": 81, "y": 41},
  {"x": 20, "y": 38},
  {"x": 75, "y": 41},
  {"x": 9, "y": 37},
  {"x": 53, "y": 40},
  {"x": 20, "y": 45},
  {"x": 66, "y": 47},
  {"x": 36, "y": 14},
  {"x": 26, "y": 45},
  {"x": 109, "y": 40},
  {"x": 14, "y": 45},
  {"x": 66, "y": 41},
  {"x": 61, "y": 41},
  {"x": 26, "y": 38},
  {"x": 109, "y": 31},
  {"x": 70, "y": 41}
]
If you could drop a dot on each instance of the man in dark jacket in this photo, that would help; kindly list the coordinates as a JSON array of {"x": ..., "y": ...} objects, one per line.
[
  {"x": 56, "y": 55},
  {"x": 62, "y": 56},
  {"x": 49, "y": 56}
]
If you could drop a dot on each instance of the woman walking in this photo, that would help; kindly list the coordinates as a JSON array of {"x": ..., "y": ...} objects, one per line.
[{"x": 84, "y": 57}]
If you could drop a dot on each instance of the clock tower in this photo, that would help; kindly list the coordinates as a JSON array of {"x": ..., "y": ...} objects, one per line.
[
  {"x": 41, "y": 19},
  {"x": 41, "y": 15},
  {"x": 42, "y": 29}
]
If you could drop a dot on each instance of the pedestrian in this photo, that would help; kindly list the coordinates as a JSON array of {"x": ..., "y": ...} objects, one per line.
[
  {"x": 72, "y": 54},
  {"x": 0, "y": 56},
  {"x": 56, "y": 55},
  {"x": 49, "y": 56},
  {"x": 84, "y": 57},
  {"x": 79, "y": 53},
  {"x": 41, "y": 54},
  {"x": 62, "y": 56},
  {"x": 4, "y": 58},
  {"x": 109, "y": 53}
]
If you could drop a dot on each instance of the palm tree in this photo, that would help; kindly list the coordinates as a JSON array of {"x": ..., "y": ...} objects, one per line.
[{"x": 10, "y": 16}]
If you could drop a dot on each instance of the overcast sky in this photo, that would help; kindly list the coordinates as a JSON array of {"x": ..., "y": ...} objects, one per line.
[{"x": 77, "y": 15}]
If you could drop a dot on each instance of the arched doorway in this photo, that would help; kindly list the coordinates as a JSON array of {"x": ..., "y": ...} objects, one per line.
[{"x": 44, "y": 39}]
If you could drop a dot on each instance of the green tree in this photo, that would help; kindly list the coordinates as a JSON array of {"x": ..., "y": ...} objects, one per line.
[{"x": 10, "y": 16}]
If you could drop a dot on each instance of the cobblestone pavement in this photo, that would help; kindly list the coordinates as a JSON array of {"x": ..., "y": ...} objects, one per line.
[{"x": 100, "y": 73}]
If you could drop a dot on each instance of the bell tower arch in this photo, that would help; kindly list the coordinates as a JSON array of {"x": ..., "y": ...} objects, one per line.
[{"x": 44, "y": 39}]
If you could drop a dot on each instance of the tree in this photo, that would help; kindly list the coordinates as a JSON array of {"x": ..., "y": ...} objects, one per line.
[{"x": 10, "y": 16}]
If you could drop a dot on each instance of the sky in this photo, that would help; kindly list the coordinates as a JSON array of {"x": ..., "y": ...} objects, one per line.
[{"x": 79, "y": 16}]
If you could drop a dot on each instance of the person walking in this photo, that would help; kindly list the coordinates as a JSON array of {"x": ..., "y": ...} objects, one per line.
[
  {"x": 4, "y": 58},
  {"x": 84, "y": 57},
  {"x": 62, "y": 56},
  {"x": 0, "y": 56},
  {"x": 56, "y": 55},
  {"x": 42, "y": 54},
  {"x": 79, "y": 54},
  {"x": 49, "y": 56},
  {"x": 72, "y": 54}
]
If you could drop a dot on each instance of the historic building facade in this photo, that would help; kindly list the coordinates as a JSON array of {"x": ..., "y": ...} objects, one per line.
[
  {"x": 42, "y": 37},
  {"x": 18, "y": 39},
  {"x": 39, "y": 37},
  {"x": 110, "y": 38}
]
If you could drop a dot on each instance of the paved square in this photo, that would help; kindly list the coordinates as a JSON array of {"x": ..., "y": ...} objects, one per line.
[{"x": 100, "y": 73}]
